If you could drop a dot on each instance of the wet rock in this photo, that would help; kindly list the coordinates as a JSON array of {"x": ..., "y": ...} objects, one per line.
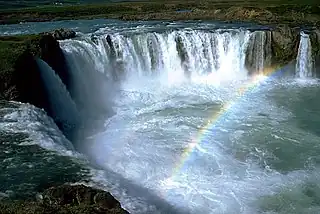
[
  {"x": 315, "y": 44},
  {"x": 258, "y": 52},
  {"x": 109, "y": 41},
  {"x": 62, "y": 33},
  {"x": 285, "y": 44},
  {"x": 94, "y": 39},
  {"x": 84, "y": 196},
  {"x": 77, "y": 199},
  {"x": 20, "y": 78}
]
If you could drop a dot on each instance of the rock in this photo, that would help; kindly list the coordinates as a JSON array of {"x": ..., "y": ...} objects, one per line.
[
  {"x": 109, "y": 41},
  {"x": 77, "y": 199},
  {"x": 94, "y": 39},
  {"x": 61, "y": 34},
  {"x": 51, "y": 53},
  {"x": 285, "y": 44},
  {"x": 84, "y": 196},
  {"x": 20, "y": 78},
  {"x": 315, "y": 44}
]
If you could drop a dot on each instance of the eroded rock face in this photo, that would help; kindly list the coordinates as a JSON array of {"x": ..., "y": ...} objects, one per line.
[
  {"x": 20, "y": 78},
  {"x": 27, "y": 85},
  {"x": 51, "y": 53},
  {"x": 315, "y": 43},
  {"x": 284, "y": 44},
  {"x": 77, "y": 199},
  {"x": 80, "y": 195}
]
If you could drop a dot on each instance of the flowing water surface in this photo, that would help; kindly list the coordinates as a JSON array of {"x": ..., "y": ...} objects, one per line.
[{"x": 191, "y": 130}]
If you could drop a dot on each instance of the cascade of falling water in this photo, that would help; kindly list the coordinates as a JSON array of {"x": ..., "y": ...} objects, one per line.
[
  {"x": 304, "y": 64},
  {"x": 175, "y": 54},
  {"x": 258, "y": 54}
]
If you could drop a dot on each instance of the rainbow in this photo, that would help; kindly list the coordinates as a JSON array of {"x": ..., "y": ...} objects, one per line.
[{"x": 202, "y": 133}]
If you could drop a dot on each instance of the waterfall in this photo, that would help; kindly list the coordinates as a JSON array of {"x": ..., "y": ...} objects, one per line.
[
  {"x": 304, "y": 65},
  {"x": 61, "y": 104},
  {"x": 258, "y": 53},
  {"x": 174, "y": 55},
  {"x": 87, "y": 88}
]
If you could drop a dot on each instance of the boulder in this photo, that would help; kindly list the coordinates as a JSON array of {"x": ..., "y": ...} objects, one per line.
[
  {"x": 78, "y": 199},
  {"x": 80, "y": 195},
  {"x": 61, "y": 34}
]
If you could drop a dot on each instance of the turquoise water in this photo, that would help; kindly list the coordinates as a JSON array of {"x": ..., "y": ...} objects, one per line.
[
  {"x": 90, "y": 26},
  {"x": 260, "y": 153}
]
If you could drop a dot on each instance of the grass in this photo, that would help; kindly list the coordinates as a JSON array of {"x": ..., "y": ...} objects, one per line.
[
  {"x": 280, "y": 10},
  {"x": 11, "y": 47}
]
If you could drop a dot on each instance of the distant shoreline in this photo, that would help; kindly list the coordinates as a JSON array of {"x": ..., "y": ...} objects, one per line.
[{"x": 267, "y": 12}]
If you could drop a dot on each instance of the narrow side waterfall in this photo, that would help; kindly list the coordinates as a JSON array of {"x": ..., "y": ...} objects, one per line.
[
  {"x": 258, "y": 53},
  {"x": 304, "y": 65},
  {"x": 63, "y": 107},
  {"x": 171, "y": 55}
]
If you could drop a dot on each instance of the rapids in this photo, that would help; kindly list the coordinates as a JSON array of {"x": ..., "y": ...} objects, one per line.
[{"x": 191, "y": 130}]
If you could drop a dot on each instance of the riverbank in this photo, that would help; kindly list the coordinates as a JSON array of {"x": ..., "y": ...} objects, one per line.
[
  {"x": 65, "y": 199},
  {"x": 20, "y": 80},
  {"x": 20, "y": 83},
  {"x": 266, "y": 12}
]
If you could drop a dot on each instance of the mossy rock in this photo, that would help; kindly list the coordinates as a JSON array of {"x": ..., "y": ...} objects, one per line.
[{"x": 285, "y": 44}]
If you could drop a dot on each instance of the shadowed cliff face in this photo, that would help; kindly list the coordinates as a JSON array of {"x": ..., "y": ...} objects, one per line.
[
  {"x": 315, "y": 42},
  {"x": 284, "y": 44},
  {"x": 66, "y": 199},
  {"x": 20, "y": 78},
  {"x": 51, "y": 53},
  {"x": 27, "y": 83}
]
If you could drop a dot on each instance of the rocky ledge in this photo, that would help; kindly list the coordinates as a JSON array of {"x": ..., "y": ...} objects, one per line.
[
  {"x": 61, "y": 34},
  {"x": 20, "y": 78},
  {"x": 20, "y": 81},
  {"x": 65, "y": 199},
  {"x": 19, "y": 73}
]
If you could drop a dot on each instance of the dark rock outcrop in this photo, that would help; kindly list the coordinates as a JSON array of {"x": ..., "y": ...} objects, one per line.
[
  {"x": 284, "y": 44},
  {"x": 78, "y": 199},
  {"x": 315, "y": 43},
  {"x": 98, "y": 200},
  {"x": 61, "y": 34},
  {"x": 20, "y": 78},
  {"x": 17, "y": 56}
]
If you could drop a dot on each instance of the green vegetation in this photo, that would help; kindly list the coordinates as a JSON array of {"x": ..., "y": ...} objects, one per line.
[
  {"x": 11, "y": 47},
  {"x": 11, "y": 50},
  {"x": 265, "y": 12}
]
